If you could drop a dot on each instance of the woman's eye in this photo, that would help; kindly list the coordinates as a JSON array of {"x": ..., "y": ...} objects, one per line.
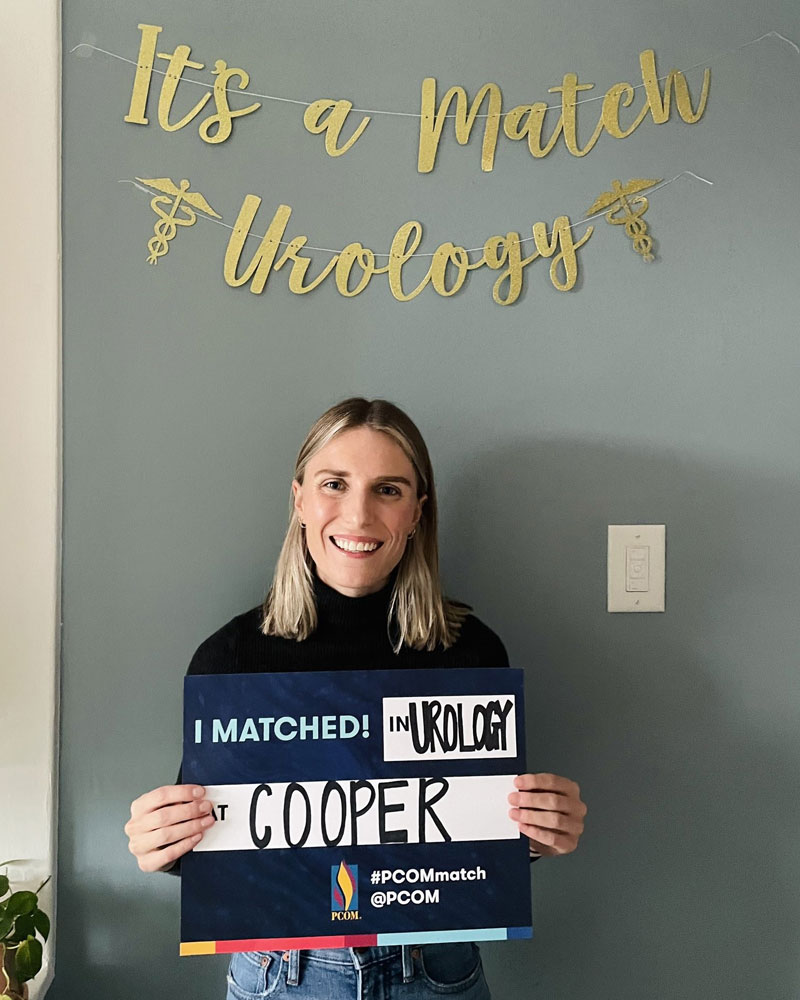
[
  {"x": 389, "y": 491},
  {"x": 333, "y": 484}
]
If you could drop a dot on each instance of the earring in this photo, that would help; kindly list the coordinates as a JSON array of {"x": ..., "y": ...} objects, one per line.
[
  {"x": 413, "y": 532},
  {"x": 301, "y": 523}
]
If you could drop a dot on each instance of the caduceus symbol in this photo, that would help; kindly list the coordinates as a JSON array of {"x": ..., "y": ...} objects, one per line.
[
  {"x": 628, "y": 213},
  {"x": 178, "y": 198}
]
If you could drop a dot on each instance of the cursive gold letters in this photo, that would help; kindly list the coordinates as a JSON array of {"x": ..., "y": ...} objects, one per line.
[
  {"x": 144, "y": 70},
  {"x": 214, "y": 129},
  {"x": 432, "y": 122},
  {"x": 526, "y": 121},
  {"x": 332, "y": 125},
  {"x": 223, "y": 119},
  {"x": 500, "y": 253}
]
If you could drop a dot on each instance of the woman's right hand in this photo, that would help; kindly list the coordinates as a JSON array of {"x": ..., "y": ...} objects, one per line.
[{"x": 167, "y": 823}]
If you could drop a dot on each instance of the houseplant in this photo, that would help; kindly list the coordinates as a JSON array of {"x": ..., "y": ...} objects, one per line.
[{"x": 21, "y": 921}]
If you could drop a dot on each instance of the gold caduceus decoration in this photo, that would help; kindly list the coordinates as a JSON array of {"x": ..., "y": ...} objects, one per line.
[
  {"x": 628, "y": 213},
  {"x": 168, "y": 222}
]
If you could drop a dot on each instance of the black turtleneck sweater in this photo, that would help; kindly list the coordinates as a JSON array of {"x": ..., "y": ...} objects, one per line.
[{"x": 351, "y": 635}]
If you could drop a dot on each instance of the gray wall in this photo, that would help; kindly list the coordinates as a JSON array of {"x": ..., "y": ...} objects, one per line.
[{"x": 661, "y": 392}]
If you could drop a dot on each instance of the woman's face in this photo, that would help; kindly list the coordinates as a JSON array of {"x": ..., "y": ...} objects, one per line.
[{"x": 359, "y": 504}]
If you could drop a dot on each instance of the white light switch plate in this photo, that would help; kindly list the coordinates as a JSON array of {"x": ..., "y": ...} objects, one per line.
[{"x": 636, "y": 567}]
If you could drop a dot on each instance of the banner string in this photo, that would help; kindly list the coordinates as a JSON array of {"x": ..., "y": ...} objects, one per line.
[
  {"x": 412, "y": 114},
  {"x": 528, "y": 239}
]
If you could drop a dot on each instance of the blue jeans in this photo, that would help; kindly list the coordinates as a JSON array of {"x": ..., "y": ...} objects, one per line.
[{"x": 381, "y": 973}]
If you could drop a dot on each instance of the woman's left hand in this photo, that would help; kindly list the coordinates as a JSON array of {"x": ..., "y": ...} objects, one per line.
[{"x": 549, "y": 811}]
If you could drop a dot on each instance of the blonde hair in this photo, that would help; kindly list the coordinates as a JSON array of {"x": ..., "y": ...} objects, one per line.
[{"x": 419, "y": 614}]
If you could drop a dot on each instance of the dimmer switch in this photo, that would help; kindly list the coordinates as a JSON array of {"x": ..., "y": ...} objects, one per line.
[
  {"x": 636, "y": 567},
  {"x": 637, "y": 563}
]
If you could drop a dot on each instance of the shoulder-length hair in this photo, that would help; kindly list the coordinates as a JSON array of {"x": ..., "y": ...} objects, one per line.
[{"x": 419, "y": 615}]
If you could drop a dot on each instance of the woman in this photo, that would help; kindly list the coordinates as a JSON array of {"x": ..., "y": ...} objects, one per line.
[{"x": 356, "y": 587}]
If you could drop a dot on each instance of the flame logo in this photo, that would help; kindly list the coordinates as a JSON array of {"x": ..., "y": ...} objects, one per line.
[{"x": 346, "y": 886}]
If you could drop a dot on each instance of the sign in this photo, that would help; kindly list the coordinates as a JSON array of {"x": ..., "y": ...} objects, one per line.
[{"x": 355, "y": 808}]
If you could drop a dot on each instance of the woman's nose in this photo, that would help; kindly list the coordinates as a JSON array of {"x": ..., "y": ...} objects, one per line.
[{"x": 359, "y": 507}]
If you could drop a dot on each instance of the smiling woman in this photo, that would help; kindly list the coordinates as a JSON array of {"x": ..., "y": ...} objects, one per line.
[
  {"x": 357, "y": 587},
  {"x": 363, "y": 506},
  {"x": 359, "y": 505}
]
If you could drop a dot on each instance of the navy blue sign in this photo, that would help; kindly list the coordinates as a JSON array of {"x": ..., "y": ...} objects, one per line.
[{"x": 355, "y": 808}]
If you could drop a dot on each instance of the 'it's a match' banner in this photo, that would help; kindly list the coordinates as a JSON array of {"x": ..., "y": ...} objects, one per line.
[{"x": 355, "y": 808}]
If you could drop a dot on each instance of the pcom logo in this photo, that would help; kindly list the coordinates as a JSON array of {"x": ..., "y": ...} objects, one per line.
[{"x": 344, "y": 892}]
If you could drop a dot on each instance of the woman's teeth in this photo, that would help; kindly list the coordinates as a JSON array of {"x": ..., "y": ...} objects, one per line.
[{"x": 347, "y": 546}]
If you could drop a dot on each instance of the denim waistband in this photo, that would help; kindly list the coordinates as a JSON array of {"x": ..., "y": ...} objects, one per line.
[{"x": 361, "y": 957}]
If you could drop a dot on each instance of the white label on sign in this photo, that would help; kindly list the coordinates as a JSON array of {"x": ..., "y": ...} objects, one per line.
[
  {"x": 360, "y": 811},
  {"x": 449, "y": 727}
]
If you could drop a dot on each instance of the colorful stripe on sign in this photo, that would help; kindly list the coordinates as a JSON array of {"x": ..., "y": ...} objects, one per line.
[{"x": 354, "y": 940}]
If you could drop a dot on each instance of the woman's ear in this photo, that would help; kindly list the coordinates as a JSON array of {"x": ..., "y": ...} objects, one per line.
[
  {"x": 297, "y": 491},
  {"x": 420, "y": 502}
]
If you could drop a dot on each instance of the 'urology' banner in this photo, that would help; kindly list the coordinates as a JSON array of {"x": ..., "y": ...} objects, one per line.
[{"x": 355, "y": 808}]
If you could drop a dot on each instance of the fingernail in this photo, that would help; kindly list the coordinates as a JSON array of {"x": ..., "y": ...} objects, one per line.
[
  {"x": 198, "y": 792},
  {"x": 207, "y": 821},
  {"x": 205, "y": 806}
]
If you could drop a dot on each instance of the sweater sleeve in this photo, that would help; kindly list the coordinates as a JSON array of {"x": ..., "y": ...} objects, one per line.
[
  {"x": 217, "y": 654},
  {"x": 478, "y": 646}
]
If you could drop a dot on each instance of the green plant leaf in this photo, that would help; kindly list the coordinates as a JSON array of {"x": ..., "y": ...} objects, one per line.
[
  {"x": 42, "y": 923},
  {"x": 3, "y": 884},
  {"x": 6, "y": 923},
  {"x": 29, "y": 959},
  {"x": 21, "y": 902},
  {"x": 24, "y": 927}
]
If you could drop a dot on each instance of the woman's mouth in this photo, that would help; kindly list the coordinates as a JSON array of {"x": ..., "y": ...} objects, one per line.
[{"x": 355, "y": 545}]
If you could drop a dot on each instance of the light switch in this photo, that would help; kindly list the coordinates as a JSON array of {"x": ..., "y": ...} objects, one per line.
[
  {"x": 636, "y": 567},
  {"x": 637, "y": 559}
]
